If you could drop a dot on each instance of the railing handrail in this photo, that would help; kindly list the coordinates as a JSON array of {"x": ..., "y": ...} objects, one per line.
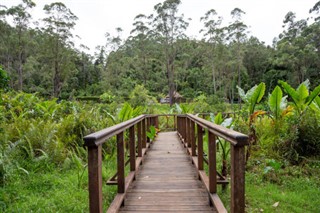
[
  {"x": 234, "y": 137},
  {"x": 101, "y": 136},
  {"x": 137, "y": 139}
]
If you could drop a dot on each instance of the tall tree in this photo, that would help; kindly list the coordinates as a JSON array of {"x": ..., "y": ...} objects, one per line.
[
  {"x": 140, "y": 36},
  {"x": 237, "y": 34},
  {"x": 21, "y": 18},
  {"x": 214, "y": 36},
  {"x": 168, "y": 27},
  {"x": 59, "y": 23}
]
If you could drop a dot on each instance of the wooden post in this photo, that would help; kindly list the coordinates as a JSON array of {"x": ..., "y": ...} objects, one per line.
[
  {"x": 200, "y": 147},
  {"x": 179, "y": 124},
  {"x": 182, "y": 127},
  {"x": 148, "y": 127},
  {"x": 120, "y": 163},
  {"x": 193, "y": 139},
  {"x": 212, "y": 163},
  {"x": 187, "y": 131},
  {"x": 144, "y": 134},
  {"x": 132, "y": 149},
  {"x": 184, "y": 130},
  {"x": 95, "y": 178},
  {"x": 157, "y": 122},
  {"x": 139, "y": 133},
  {"x": 237, "y": 179},
  {"x": 174, "y": 123}
]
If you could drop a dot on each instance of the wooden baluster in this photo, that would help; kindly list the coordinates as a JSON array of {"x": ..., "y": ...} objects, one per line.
[
  {"x": 237, "y": 179},
  {"x": 178, "y": 125},
  {"x": 148, "y": 128},
  {"x": 181, "y": 126},
  {"x": 157, "y": 122},
  {"x": 120, "y": 163},
  {"x": 139, "y": 133},
  {"x": 193, "y": 139},
  {"x": 174, "y": 123},
  {"x": 144, "y": 137},
  {"x": 189, "y": 132},
  {"x": 200, "y": 147},
  {"x": 185, "y": 129},
  {"x": 132, "y": 149},
  {"x": 95, "y": 178},
  {"x": 212, "y": 163}
]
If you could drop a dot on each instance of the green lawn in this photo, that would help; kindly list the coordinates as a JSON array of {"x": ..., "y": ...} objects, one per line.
[{"x": 60, "y": 191}]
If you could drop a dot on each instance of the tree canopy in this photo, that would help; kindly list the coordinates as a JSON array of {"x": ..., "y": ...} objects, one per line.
[{"x": 157, "y": 55}]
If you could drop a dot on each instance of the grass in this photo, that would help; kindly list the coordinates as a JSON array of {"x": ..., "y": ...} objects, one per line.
[
  {"x": 45, "y": 192},
  {"x": 57, "y": 190},
  {"x": 293, "y": 194}
]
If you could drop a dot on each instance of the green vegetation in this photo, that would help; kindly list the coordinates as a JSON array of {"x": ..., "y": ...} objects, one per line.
[
  {"x": 42, "y": 158},
  {"x": 53, "y": 94}
]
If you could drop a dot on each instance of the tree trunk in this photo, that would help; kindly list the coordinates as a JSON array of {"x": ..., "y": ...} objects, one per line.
[
  {"x": 20, "y": 78},
  {"x": 171, "y": 81},
  {"x": 56, "y": 80},
  {"x": 57, "y": 74},
  {"x": 214, "y": 80},
  {"x": 239, "y": 73}
]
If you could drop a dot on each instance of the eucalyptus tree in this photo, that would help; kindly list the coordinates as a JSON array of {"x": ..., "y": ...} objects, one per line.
[
  {"x": 58, "y": 25},
  {"x": 316, "y": 10},
  {"x": 213, "y": 34},
  {"x": 295, "y": 49},
  {"x": 314, "y": 31},
  {"x": 140, "y": 36},
  {"x": 5, "y": 38},
  {"x": 21, "y": 19},
  {"x": 116, "y": 60},
  {"x": 237, "y": 34},
  {"x": 169, "y": 26}
]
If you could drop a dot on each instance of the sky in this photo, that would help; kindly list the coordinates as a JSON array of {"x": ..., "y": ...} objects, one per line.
[{"x": 96, "y": 17}]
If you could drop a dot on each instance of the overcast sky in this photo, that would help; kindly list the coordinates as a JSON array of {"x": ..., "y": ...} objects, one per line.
[{"x": 96, "y": 17}]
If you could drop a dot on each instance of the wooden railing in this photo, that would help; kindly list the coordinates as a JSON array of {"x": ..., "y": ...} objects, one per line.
[
  {"x": 136, "y": 128},
  {"x": 187, "y": 126}
]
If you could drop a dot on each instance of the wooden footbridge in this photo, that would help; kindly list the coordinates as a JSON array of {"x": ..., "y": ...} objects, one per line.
[{"x": 167, "y": 174}]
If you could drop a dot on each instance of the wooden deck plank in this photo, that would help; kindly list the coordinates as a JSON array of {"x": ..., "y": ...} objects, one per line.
[{"x": 167, "y": 181}]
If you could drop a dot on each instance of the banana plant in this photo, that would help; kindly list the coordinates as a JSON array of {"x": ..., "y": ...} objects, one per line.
[
  {"x": 278, "y": 105},
  {"x": 125, "y": 113},
  {"x": 316, "y": 103},
  {"x": 252, "y": 98},
  {"x": 301, "y": 96},
  {"x": 152, "y": 133},
  {"x": 184, "y": 108}
]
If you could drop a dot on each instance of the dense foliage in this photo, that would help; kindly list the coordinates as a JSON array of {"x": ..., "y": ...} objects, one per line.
[{"x": 158, "y": 55}]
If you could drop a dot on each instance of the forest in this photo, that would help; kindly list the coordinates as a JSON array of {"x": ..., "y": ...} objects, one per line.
[{"x": 53, "y": 93}]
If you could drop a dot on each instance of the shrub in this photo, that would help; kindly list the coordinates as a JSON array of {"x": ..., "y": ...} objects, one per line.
[
  {"x": 140, "y": 97},
  {"x": 308, "y": 140}
]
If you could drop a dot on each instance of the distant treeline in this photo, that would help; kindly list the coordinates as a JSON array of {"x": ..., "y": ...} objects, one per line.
[{"x": 157, "y": 55}]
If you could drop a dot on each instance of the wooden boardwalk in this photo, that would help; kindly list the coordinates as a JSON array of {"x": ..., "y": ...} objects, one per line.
[{"x": 167, "y": 181}]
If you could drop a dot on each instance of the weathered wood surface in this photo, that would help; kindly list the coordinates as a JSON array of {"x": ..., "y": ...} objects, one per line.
[{"x": 167, "y": 181}]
